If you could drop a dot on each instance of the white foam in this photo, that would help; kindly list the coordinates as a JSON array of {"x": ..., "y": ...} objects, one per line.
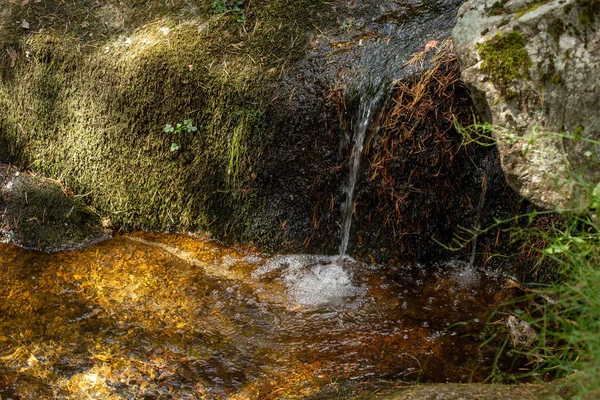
[
  {"x": 463, "y": 273},
  {"x": 312, "y": 279}
]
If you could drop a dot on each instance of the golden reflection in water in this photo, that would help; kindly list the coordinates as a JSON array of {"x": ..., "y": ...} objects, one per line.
[{"x": 171, "y": 316}]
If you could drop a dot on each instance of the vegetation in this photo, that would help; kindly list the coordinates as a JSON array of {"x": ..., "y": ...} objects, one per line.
[
  {"x": 505, "y": 59},
  {"x": 187, "y": 126},
  {"x": 87, "y": 102},
  {"x": 564, "y": 312}
]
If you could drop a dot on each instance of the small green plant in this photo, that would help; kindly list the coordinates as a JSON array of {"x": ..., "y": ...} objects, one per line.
[
  {"x": 565, "y": 314},
  {"x": 236, "y": 7},
  {"x": 347, "y": 25},
  {"x": 219, "y": 7},
  {"x": 186, "y": 126}
]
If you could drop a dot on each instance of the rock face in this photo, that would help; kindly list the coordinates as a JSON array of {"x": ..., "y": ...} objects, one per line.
[
  {"x": 268, "y": 90},
  {"x": 35, "y": 213},
  {"x": 533, "y": 69}
]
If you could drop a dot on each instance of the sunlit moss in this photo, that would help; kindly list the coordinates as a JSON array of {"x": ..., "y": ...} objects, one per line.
[
  {"x": 505, "y": 59},
  {"x": 87, "y": 102}
]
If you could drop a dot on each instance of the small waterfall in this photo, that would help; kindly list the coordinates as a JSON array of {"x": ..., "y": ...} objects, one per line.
[
  {"x": 477, "y": 227},
  {"x": 370, "y": 105}
]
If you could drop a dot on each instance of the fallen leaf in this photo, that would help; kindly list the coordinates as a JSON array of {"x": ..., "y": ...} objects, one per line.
[
  {"x": 12, "y": 53},
  {"x": 25, "y": 24},
  {"x": 430, "y": 45}
]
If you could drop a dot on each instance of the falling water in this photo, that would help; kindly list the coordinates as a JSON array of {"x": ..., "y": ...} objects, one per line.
[
  {"x": 370, "y": 105},
  {"x": 484, "y": 185}
]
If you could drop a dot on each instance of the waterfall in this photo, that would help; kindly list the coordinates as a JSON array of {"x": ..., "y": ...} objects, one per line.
[
  {"x": 480, "y": 206},
  {"x": 370, "y": 105}
]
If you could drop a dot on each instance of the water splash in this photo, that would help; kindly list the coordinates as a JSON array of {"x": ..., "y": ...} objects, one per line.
[
  {"x": 480, "y": 207},
  {"x": 312, "y": 279}
]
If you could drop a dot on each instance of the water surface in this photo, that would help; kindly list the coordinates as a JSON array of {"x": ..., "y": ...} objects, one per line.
[{"x": 172, "y": 316}]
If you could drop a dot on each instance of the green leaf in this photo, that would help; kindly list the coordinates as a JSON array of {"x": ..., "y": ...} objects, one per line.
[
  {"x": 168, "y": 128},
  {"x": 174, "y": 147}
]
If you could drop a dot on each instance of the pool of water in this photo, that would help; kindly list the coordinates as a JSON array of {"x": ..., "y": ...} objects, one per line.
[{"x": 174, "y": 316}]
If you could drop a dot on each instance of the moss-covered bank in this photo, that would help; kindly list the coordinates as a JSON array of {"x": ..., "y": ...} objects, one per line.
[{"x": 86, "y": 101}]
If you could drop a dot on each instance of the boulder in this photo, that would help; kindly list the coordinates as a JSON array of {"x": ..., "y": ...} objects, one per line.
[
  {"x": 37, "y": 213},
  {"x": 533, "y": 69}
]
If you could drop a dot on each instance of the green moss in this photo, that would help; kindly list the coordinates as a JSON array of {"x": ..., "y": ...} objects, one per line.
[
  {"x": 556, "y": 28},
  {"x": 530, "y": 7},
  {"x": 505, "y": 59},
  {"x": 568, "y": 8},
  {"x": 588, "y": 11},
  {"x": 498, "y": 8},
  {"x": 558, "y": 80},
  {"x": 42, "y": 216},
  {"x": 87, "y": 101}
]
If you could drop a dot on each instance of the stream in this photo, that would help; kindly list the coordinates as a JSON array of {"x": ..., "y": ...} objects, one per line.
[{"x": 176, "y": 316}]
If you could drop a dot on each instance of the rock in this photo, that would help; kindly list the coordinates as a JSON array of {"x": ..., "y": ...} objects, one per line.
[
  {"x": 520, "y": 332},
  {"x": 268, "y": 161},
  {"x": 533, "y": 68},
  {"x": 35, "y": 213},
  {"x": 447, "y": 391}
]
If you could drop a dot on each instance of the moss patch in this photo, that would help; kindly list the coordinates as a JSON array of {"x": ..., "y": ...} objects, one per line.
[
  {"x": 498, "y": 8},
  {"x": 505, "y": 59},
  {"x": 36, "y": 213},
  {"x": 87, "y": 101},
  {"x": 589, "y": 9},
  {"x": 530, "y": 7}
]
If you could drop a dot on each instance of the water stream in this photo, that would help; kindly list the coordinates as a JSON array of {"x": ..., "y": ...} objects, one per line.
[
  {"x": 370, "y": 104},
  {"x": 173, "y": 316}
]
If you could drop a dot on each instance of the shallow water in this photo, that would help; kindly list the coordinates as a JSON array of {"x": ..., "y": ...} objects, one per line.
[{"x": 172, "y": 316}]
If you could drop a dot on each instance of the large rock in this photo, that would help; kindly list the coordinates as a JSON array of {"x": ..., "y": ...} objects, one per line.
[
  {"x": 533, "y": 68},
  {"x": 37, "y": 213},
  {"x": 266, "y": 89}
]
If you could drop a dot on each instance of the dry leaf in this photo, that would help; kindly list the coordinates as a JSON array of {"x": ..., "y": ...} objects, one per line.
[
  {"x": 25, "y": 24},
  {"x": 12, "y": 53},
  {"x": 430, "y": 45}
]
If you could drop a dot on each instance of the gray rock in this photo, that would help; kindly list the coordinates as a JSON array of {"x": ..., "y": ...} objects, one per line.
[{"x": 533, "y": 68}]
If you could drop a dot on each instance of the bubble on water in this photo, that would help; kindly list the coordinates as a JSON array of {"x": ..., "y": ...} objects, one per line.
[
  {"x": 462, "y": 273},
  {"x": 313, "y": 279}
]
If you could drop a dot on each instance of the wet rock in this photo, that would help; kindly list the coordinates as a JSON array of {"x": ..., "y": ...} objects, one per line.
[
  {"x": 37, "y": 214},
  {"x": 521, "y": 333},
  {"x": 462, "y": 392},
  {"x": 274, "y": 99},
  {"x": 533, "y": 68}
]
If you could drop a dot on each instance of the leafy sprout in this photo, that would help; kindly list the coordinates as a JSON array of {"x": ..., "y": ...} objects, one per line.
[{"x": 186, "y": 126}]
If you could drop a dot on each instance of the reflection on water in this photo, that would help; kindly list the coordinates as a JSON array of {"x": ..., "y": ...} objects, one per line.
[{"x": 168, "y": 316}]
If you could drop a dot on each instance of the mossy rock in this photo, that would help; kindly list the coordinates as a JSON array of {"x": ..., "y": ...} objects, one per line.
[
  {"x": 535, "y": 72},
  {"x": 36, "y": 213},
  {"x": 88, "y": 101},
  {"x": 450, "y": 391}
]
